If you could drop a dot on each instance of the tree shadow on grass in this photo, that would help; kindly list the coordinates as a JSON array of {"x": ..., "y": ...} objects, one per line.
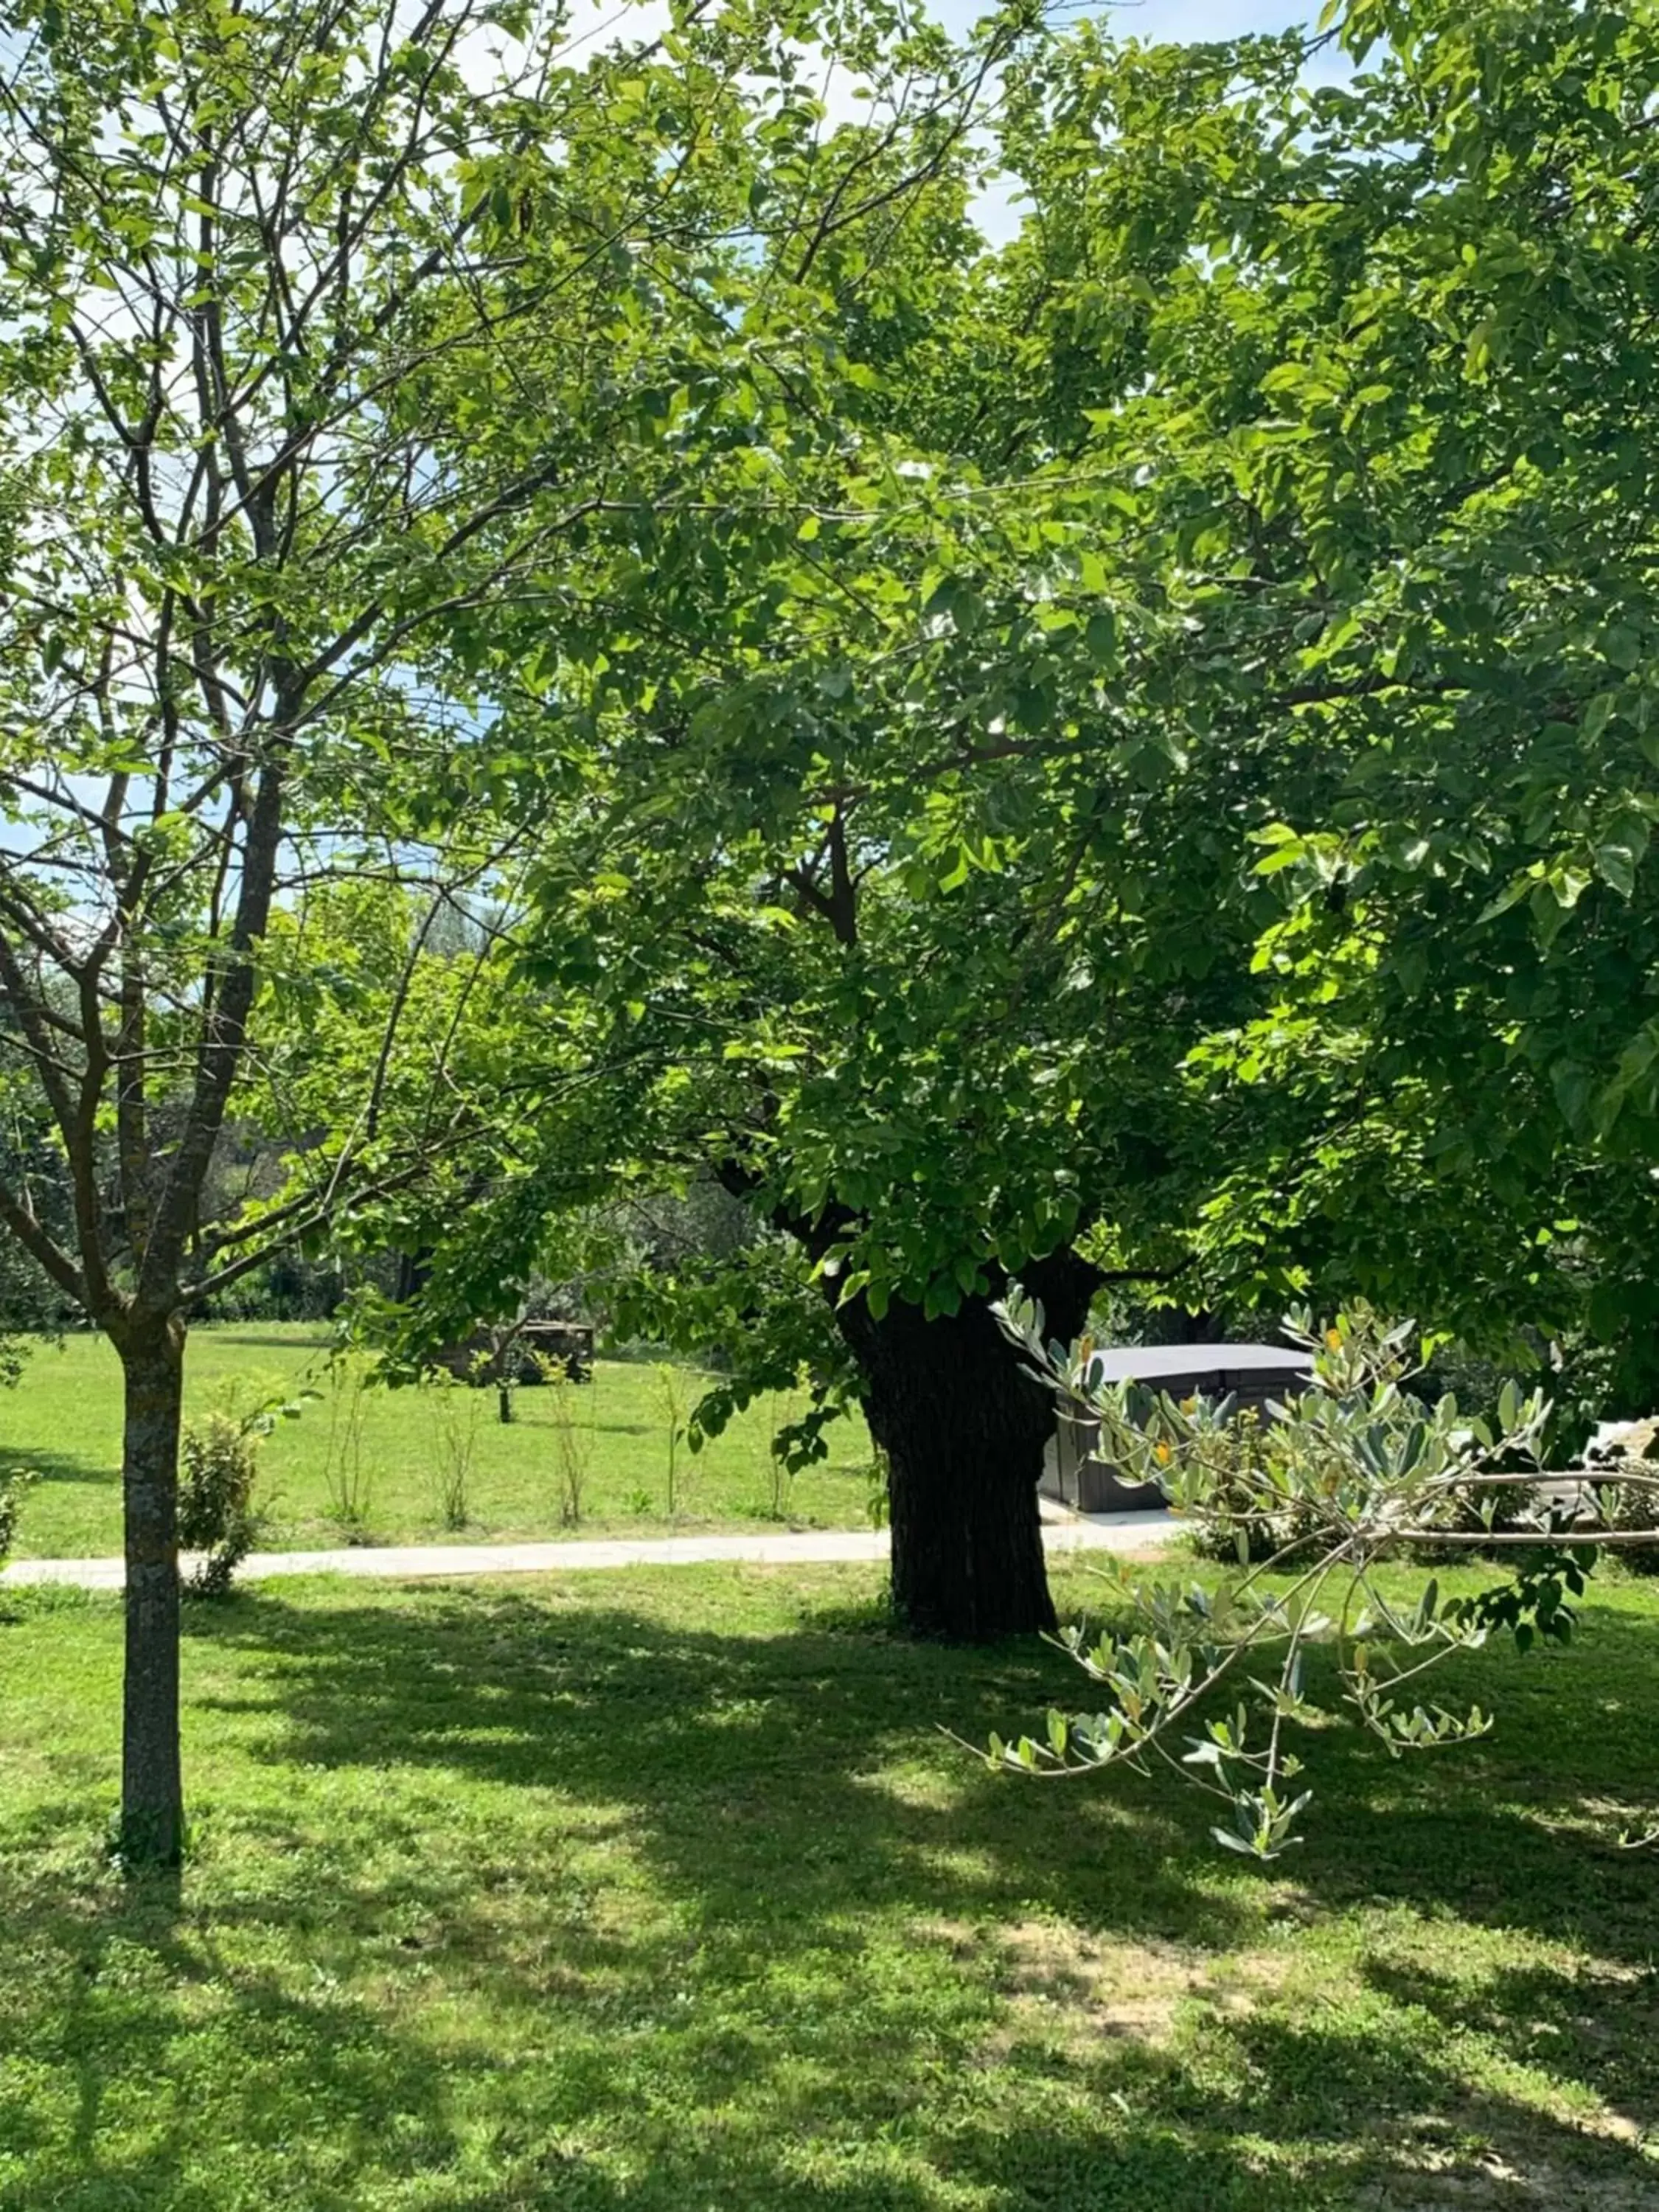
[
  {"x": 756, "y": 1774},
  {"x": 746, "y": 1767},
  {"x": 640, "y": 1872},
  {"x": 1521, "y": 1829},
  {"x": 1389, "y": 2109},
  {"x": 62, "y": 1466},
  {"x": 134, "y": 2071},
  {"x": 1600, "y": 2027},
  {"x": 741, "y": 1754},
  {"x": 189, "y": 2072}
]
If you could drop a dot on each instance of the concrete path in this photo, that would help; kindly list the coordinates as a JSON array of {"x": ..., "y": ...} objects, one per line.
[{"x": 1063, "y": 1532}]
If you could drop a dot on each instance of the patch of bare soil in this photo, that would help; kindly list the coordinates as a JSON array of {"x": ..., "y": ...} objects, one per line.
[
  {"x": 1064, "y": 1987},
  {"x": 1495, "y": 2181},
  {"x": 1520, "y": 2168}
]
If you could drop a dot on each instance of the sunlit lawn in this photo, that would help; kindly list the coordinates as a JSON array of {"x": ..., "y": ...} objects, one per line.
[
  {"x": 65, "y": 1420},
  {"x": 665, "y": 1892}
]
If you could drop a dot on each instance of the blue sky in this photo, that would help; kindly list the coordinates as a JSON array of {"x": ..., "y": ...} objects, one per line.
[
  {"x": 1167, "y": 19},
  {"x": 996, "y": 211}
]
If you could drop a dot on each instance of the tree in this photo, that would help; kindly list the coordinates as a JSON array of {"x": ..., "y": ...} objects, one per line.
[
  {"x": 1394, "y": 464},
  {"x": 1279, "y": 501},
  {"x": 902, "y": 904},
  {"x": 254, "y": 264},
  {"x": 1076, "y": 571}
]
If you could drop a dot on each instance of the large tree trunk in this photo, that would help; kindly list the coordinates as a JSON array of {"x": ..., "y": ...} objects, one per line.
[
  {"x": 152, "y": 1789},
  {"x": 963, "y": 1423}
]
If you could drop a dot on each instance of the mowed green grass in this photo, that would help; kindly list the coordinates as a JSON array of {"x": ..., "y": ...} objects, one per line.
[
  {"x": 65, "y": 1420},
  {"x": 664, "y": 1893}
]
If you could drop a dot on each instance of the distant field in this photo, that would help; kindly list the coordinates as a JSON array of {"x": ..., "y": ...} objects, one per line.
[{"x": 65, "y": 1420}]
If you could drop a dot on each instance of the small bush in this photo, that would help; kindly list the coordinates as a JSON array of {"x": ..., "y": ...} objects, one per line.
[
  {"x": 455, "y": 1409},
  {"x": 218, "y": 1465},
  {"x": 1249, "y": 1511},
  {"x": 349, "y": 1479},
  {"x": 671, "y": 1408},
  {"x": 1499, "y": 1512},
  {"x": 1242, "y": 1513},
  {"x": 574, "y": 1437}
]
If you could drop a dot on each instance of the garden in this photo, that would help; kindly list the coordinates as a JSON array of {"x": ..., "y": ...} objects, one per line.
[{"x": 741, "y": 740}]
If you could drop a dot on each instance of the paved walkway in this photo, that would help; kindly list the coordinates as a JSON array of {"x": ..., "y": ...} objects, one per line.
[{"x": 1106, "y": 1531}]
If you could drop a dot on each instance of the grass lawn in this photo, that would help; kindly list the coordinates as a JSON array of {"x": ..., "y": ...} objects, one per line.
[
  {"x": 65, "y": 1420},
  {"x": 662, "y": 1891}
]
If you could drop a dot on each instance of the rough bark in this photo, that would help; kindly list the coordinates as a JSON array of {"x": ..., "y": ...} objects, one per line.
[
  {"x": 152, "y": 1824},
  {"x": 964, "y": 1424}
]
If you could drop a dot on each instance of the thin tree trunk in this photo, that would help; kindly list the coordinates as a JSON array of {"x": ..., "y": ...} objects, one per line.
[
  {"x": 152, "y": 1790},
  {"x": 963, "y": 1423}
]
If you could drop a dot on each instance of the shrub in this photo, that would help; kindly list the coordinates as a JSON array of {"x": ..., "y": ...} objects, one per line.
[
  {"x": 348, "y": 1481},
  {"x": 1254, "y": 1485},
  {"x": 455, "y": 1435},
  {"x": 1238, "y": 1513},
  {"x": 670, "y": 1407},
  {"x": 218, "y": 1465},
  {"x": 573, "y": 1424},
  {"x": 1500, "y": 1513}
]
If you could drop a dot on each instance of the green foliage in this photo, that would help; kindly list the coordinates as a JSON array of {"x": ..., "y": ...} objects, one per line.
[
  {"x": 1387, "y": 467},
  {"x": 261, "y": 272},
  {"x": 575, "y": 1435},
  {"x": 1058, "y": 780},
  {"x": 1102, "y": 733},
  {"x": 348, "y": 1471},
  {"x": 218, "y": 1469},
  {"x": 865, "y": 928},
  {"x": 356, "y": 423},
  {"x": 452, "y": 1410},
  {"x": 1345, "y": 1475}
]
